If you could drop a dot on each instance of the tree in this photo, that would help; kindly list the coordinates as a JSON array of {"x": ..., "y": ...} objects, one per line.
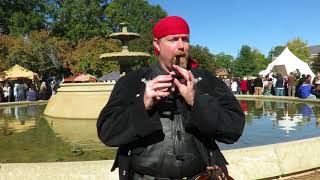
[
  {"x": 36, "y": 51},
  {"x": 78, "y": 19},
  {"x": 224, "y": 60},
  {"x": 316, "y": 63},
  {"x": 275, "y": 52},
  {"x": 21, "y": 17},
  {"x": 203, "y": 57},
  {"x": 84, "y": 58},
  {"x": 249, "y": 62},
  {"x": 299, "y": 48},
  {"x": 5, "y": 40},
  {"x": 260, "y": 61},
  {"x": 244, "y": 63}
]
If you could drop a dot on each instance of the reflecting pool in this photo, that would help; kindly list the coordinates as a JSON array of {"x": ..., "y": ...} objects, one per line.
[
  {"x": 270, "y": 122},
  {"x": 27, "y": 136}
]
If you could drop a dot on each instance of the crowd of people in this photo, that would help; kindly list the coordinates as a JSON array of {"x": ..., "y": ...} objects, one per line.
[
  {"x": 27, "y": 90},
  {"x": 296, "y": 85}
]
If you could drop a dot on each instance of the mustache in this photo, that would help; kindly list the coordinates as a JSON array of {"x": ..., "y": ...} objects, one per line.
[{"x": 180, "y": 54}]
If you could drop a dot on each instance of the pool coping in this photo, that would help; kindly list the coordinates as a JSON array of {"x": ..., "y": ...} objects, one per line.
[
  {"x": 259, "y": 162},
  {"x": 18, "y": 103}
]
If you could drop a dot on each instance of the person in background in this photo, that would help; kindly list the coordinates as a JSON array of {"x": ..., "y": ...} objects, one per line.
[
  {"x": 7, "y": 92},
  {"x": 305, "y": 90},
  {"x": 292, "y": 83},
  {"x": 268, "y": 88},
  {"x": 301, "y": 80},
  {"x": 279, "y": 85},
  {"x": 21, "y": 91},
  {"x": 234, "y": 86},
  {"x": 35, "y": 85},
  {"x": 54, "y": 86},
  {"x": 166, "y": 118},
  {"x": 251, "y": 85},
  {"x": 2, "y": 98},
  {"x": 32, "y": 94},
  {"x": 258, "y": 85},
  {"x": 244, "y": 86},
  {"x": 316, "y": 85},
  {"x": 43, "y": 93},
  {"x": 15, "y": 91}
]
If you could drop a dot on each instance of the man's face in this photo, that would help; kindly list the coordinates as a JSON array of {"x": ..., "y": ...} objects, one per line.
[{"x": 170, "y": 47}]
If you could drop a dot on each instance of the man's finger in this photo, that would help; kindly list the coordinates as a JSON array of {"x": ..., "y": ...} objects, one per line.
[
  {"x": 160, "y": 94},
  {"x": 162, "y": 78},
  {"x": 181, "y": 71},
  {"x": 157, "y": 86},
  {"x": 177, "y": 83},
  {"x": 191, "y": 77}
]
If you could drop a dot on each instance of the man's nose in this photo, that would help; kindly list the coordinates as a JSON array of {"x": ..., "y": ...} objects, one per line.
[{"x": 180, "y": 44}]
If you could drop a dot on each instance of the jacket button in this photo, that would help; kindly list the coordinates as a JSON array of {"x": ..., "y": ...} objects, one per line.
[{"x": 180, "y": 157}]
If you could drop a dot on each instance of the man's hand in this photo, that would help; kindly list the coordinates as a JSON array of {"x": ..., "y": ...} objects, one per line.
[
  {"x": 186, "y": 86},
  {"x": 156, "y": 89}
]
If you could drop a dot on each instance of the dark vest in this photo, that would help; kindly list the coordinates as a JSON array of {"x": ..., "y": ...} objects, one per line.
[{"x": 179, "y": 153}]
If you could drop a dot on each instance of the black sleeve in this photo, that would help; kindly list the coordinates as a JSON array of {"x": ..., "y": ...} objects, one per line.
[
  {"x": 216, "y": 112},
  {"x": 124, "y": 119}
]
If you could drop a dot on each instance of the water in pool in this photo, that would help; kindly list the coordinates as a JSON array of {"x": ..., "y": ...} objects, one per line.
[
  {"x": 27, "y": 136},
  {"x": 270, "y": 122}
]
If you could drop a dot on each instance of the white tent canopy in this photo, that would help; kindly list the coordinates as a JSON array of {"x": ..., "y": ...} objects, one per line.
[{"x": 291, "y": 63}]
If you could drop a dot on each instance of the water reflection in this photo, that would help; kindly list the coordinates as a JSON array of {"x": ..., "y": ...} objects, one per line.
[
  {"x": 284, "y": 115},
  {"x": 80, "y": 133},
  {"x": 273, "y": 122},
  {"x": 18, "y": 119},
  {"x": 29, "y": 137}
]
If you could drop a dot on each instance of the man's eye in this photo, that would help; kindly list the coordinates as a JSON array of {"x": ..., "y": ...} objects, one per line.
[{"x": 185, "y": 39}]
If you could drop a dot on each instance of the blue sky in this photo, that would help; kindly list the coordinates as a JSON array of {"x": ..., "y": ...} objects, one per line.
[{"x": 226, "y": 25}]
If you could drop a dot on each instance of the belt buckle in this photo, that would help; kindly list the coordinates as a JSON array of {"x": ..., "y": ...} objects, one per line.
[{"x": 204, "y": 176}]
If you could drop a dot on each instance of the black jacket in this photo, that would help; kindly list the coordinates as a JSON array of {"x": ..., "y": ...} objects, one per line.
[{"x": 124, "y": 122}]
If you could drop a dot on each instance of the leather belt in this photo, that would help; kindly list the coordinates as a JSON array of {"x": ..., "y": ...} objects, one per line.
[{"x": 137, "y": 176}]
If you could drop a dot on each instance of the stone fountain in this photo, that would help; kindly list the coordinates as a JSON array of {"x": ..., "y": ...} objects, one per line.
[
  {"x": 125, "y": 57},
  {"x": 85, "y": 100}
]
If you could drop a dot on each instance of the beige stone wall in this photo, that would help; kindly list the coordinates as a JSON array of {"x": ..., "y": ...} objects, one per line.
[
  {"x": 79, "y": 100},
  {"x": 274, "y": 160},
  {"x": 269, "y": 161}
]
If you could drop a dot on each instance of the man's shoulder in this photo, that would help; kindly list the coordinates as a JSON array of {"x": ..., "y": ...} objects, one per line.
[{"x": 200, "y": 71}]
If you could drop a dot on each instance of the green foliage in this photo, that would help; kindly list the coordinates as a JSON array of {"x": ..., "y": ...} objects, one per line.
[
  {"x": 249, "y": 62},
  {"x": 36, "y": 51},
  {"x": 84, "y": 57},
  {"x": 78, "y": 22},
  {"x": 22, "y": 16},
  {"x": 260, "y": 61},
  {"x": 203, "y": 57},
  {"x": 299, "y": 48},
  {"x": 275, "y": 52},
  {"x": 224, "y": 60},
  {"x": 316, "y": 63},
  {"x": 78, "y": 19}
]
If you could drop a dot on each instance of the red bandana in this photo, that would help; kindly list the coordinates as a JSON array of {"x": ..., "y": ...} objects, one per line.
[{"x": 170, "y": 25}]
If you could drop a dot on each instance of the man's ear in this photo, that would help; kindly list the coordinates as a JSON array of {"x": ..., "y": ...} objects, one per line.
[{"x": 156, "y": 44}]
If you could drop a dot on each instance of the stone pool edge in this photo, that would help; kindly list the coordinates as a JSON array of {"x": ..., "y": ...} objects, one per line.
[{"x": 268, "y": 161}]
